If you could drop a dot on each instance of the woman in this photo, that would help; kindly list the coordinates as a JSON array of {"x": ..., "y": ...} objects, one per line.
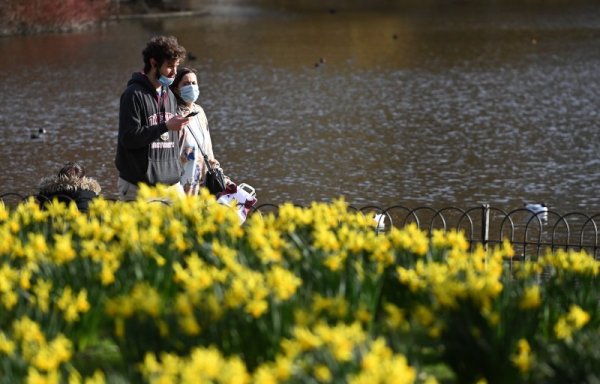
[
  {"x": 70, "y": 184},
  {"x": 194, "y": 138}
]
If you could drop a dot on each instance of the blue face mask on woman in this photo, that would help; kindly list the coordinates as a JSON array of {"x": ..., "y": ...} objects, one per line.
[
  {"x": 165, "y": 81},
  {"x": 189, "y": 93}
]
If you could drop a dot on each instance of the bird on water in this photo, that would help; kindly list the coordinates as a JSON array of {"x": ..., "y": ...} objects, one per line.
[{"x": 38, "y": 134}]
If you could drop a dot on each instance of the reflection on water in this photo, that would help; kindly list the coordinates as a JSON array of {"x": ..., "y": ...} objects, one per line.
[{"x": 409, "y": 107}]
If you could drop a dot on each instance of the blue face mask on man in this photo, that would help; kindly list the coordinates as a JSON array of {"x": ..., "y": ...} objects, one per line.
[
  {"x": 165, "y": 81},
  {"x": 189, "y": 93}
]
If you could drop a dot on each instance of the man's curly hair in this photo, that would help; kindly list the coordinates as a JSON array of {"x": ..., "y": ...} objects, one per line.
[{"x": 161, "y": 49}]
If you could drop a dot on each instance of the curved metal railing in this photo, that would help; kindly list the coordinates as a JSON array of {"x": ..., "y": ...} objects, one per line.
[{"x": 530, "y": 233}]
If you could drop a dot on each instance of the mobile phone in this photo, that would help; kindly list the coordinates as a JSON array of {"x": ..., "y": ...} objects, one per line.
[{"x": 191, "y": 114}]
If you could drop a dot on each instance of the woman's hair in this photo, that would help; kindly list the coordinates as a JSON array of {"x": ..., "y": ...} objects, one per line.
[
  {"x": 72, "y": 170},
  {"x": 181, "y": 71},
  {"x": 161, "y": 49}
]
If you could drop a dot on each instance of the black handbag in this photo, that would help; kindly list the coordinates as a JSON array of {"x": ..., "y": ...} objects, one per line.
[{"x": 215, "y": 179}]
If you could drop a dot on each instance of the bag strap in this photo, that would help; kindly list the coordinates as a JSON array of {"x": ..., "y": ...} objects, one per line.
[{"x": 208, "y": 167}]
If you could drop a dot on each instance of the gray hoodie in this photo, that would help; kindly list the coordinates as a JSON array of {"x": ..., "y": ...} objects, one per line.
[{"x": 147, "y": 152}]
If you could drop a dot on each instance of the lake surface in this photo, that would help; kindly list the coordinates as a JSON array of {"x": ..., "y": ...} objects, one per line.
[{"x": 423, "y": 106}]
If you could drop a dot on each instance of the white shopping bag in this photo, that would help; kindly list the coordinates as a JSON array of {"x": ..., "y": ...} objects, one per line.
[{"x": 242, "y": 196}]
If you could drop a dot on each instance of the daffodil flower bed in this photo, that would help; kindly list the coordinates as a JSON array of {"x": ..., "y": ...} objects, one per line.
[{"x": 174, "y": 290}]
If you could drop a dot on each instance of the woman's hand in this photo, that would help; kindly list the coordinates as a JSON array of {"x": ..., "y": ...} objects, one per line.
[{"x": 214, "y": 163}]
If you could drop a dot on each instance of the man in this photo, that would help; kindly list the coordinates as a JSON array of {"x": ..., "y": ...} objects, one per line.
[{"x": 148, "y": 141}]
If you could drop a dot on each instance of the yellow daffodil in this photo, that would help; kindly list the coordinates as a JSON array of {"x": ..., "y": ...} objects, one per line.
[{"x": 522, "y": 359}]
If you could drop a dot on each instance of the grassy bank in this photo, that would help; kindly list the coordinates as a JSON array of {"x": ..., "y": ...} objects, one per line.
[
  {"x": 41, "y": 16},
  {"x": 50, "y": 16}
]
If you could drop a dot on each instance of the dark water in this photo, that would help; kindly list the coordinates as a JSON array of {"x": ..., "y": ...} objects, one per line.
[{"x": 422, "y": 106}]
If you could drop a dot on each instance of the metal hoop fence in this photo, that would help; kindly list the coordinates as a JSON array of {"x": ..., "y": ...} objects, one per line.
[{"x": 530, "y": 234}]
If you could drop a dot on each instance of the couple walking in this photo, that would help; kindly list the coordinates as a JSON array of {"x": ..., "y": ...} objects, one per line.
[{"x": 163, "y": 132}]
